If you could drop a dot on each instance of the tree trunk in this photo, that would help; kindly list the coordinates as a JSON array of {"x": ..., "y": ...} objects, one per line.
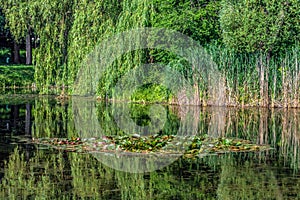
[
  {"x": 16, "y": 53},
  {"x": 28, "y": 48}
]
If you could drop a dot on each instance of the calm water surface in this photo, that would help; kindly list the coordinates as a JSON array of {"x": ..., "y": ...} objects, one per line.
[{"x": 29, "y": 171}]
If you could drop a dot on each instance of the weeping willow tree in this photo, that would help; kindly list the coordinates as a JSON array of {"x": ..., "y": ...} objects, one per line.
[
  {"x": 134, "y": 14},
  {"x": 92, "y": 21},
  {"x": 52, "y": 22},
  {"x": 80, "y": 26},
  {"x": 69, "y": 30},
  {"x": 198, "y": 20},
  {"x": 17, "y": 16},
  {"x": 18, "y": 22}
]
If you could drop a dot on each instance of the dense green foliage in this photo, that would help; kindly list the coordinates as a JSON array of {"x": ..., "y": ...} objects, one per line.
[
  {"x": 17, "y": 16},
  {"x": 16, "y": 76},
  {"x": 251, "y": 41},
  {"x": 197, "y": 19},
  {"x": 271, "y": 29},
  {"x": 4, "y": 29},
  {"x": 260, "y": 25},
  {"x": 2, "y": 23}
]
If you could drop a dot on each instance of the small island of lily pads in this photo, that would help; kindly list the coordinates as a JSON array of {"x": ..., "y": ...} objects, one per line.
[{"x": 189, "y": 146}]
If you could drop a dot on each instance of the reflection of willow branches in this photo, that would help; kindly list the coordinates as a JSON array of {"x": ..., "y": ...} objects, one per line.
[
  {"x": 247, "y": 181},
  {"x": 290, "y": 138},
  {"x": 108, "y": 112},
  {"x": 91, "y": 179},
  {"x": 279, "y": 128},
  {"x": 51, "y": 119},
  {"x": 79, "y": 176},
  {"x": 170, "y": 183},
  {"x": 85, "y": 118},
  {"x": 242, "y": 123},
  {"x": 49, "y": 175},
  {"x": 106, "y": 119},
  {"x": 138, "y": 189},
  {"x": 38, "y": 177}
]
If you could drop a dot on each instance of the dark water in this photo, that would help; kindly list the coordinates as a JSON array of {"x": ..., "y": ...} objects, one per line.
[{"x": 30, "y": 171}]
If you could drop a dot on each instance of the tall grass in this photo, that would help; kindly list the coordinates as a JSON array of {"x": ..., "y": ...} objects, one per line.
[
  {"x": 246, "y": 80},
  {"x": 280, "y": 81}
]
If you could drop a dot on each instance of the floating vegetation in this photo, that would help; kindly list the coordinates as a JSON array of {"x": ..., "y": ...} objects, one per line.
[{"x": 190, "y": 146}]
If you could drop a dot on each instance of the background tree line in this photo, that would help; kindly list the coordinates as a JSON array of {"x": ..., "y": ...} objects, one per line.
[{"x": 254, "y": 42}]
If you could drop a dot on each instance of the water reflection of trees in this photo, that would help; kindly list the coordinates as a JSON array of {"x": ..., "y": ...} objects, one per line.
[
  {"x": 73, "y": 176},
  {"x": 51, "y": 174},
  {"x": 52, "y": 119},
  {"x": 47, "y": 173},
  {"x": 290, "y": 138},
  {"x": 277, "y": 127}
]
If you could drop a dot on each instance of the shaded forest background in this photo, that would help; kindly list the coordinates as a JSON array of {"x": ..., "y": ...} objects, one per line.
[{"x": 254, "y": 43}]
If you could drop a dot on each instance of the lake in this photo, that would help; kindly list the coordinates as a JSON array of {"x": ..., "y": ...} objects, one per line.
[{"x": 32, "y": 171}]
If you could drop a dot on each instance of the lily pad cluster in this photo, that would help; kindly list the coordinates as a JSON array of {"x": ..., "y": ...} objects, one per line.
[
  {"x": 143, "y": 144},
  {"x": 190, "y": 146},
  {"x": 222, "y": 145}
]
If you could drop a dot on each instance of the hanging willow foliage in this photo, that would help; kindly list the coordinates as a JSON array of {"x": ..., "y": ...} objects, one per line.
[
  {"x": 69, "y": 30},
  {"x": 92, "y": 22},
  {"x": 17, "y": 12},
  {"x": 53, "y": 20},
  {"x": 134, "y": 14}
]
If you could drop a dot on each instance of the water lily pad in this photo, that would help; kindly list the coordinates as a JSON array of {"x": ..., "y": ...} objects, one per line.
[{"x": 191, "y": 145}]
